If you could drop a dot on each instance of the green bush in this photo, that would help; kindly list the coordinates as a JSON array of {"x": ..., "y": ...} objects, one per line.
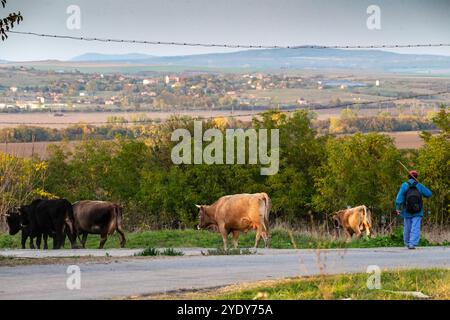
[{"x": 155, "y": 252}]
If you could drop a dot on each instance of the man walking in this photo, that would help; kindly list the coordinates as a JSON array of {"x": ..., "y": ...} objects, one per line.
[{"x": 409, "y": 201}]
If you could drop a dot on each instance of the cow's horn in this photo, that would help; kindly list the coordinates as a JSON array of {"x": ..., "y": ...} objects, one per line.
[{"x": 198, "y": 206}]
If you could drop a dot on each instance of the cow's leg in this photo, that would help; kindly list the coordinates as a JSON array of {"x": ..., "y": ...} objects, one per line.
[
  {"x": 224, "y": 234},
  {"x": 235, "y": 238},
  {"x": 24, "y": 239},
  {"x": 32, "y": 243},
  {"x": 104, "y": 237},
  {"x": 258, "y": 237},
  {"x": 121, "y": 236},
  {"x": 266, "y": 238},
  {"x": 348, "y": 234},
  {"x": 83, "y": 240},
  {"x": 63, "y": 241},
  {"x": 45, "y": 241},
  {"x": 58, "y": 239},
  {"x": 38, "y": 241},
  {"x": 72, "y": 238}
]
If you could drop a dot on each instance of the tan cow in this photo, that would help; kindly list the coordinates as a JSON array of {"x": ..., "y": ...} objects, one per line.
[
  {"x": 238, "y": 213},
  {"x": 355, "y": 221}
]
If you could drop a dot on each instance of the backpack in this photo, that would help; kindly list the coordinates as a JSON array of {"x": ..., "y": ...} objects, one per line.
[{"x": 413, "y": 199}]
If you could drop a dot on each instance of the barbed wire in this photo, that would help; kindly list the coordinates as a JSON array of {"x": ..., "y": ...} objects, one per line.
[
  {"x": 238, "y": 115},
  {"x": 232, "y": 46}
]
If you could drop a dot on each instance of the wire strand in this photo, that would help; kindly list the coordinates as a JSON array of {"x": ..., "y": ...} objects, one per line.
[{"x": 232, "y": 46}]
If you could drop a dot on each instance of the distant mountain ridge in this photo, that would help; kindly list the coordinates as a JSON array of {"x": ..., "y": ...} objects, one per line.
[
  {"x": 111, "y": 57},
  {"x": 288, "y": 58}
]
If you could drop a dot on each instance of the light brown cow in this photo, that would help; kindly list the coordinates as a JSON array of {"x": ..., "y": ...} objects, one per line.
[
  {"x": 355, "y": 221},
  {"x": 238, "y": 213}
]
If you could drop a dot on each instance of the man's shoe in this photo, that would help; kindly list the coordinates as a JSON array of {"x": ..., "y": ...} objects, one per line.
[{"x": 411, "y": 247}]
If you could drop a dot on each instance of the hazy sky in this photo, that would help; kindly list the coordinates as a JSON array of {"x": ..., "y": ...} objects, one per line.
[{"x": 281, "y": 22}]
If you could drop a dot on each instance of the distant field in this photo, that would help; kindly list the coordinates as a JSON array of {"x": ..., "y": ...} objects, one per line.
[
  {"x": 47, "y": 119},
  {"x": 403, "y": 140},
  {"x": 29, "y": 149},
  {"x": 318, "y": 96},
  {"x": 11, "y": 120},
  {"x": 407, "y": 140}
]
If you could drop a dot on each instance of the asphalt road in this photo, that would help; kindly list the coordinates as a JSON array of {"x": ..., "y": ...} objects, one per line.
[{"x": 159, "y": 275}]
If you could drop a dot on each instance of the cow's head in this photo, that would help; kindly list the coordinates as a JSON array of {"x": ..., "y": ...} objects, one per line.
[
  {"x": 14, "y": 221},
  {"x": 205, "y": 220}
]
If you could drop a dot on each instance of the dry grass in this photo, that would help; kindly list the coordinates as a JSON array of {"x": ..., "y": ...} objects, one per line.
[
  {"x": 436, "y": 234},
  {"x": 29, "y": 149},
  {"x": 407, "y": 140},
  {"x": 396, "y": 285}
]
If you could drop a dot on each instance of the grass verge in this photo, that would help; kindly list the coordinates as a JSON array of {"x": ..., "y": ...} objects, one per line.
[
  {"x": 280, "y": 239},
  {"x": 396, "y": 285}
]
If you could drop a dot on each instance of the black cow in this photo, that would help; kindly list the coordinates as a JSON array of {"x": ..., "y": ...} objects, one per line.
[
  {"x": 49, "y": 217},
  {"x": 14, "y": 221},
  {"x": 98, "y": 217}
]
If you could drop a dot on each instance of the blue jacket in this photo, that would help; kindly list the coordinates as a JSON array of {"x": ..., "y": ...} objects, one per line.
[{"x": 400, "y": 200}]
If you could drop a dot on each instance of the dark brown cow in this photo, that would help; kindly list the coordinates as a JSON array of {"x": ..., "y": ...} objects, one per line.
[
  {"x": 238, "y": 213},
  {"x": 98, "y": 217}
]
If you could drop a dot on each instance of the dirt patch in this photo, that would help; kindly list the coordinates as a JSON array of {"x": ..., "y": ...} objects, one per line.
[
  {"x": 13, "y": 261},
  {"x": 208, "y": 293}
]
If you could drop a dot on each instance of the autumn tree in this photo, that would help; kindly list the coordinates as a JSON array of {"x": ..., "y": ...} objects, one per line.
[
  {"x": 359, "y": 169},
  {"x": 434, "y": 167}
]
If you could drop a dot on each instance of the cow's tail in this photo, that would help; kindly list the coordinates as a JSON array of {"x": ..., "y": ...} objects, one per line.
[
  {"x": 119, "y": 215},
  {"x": 70, "y": 219},
  {"x": 367, "y": 221},
  {"x": 265, "y": 211},
  {"x": 118, "y": 212},
  {"x": 70, "y": 224},
  {"x": 119, "y": 224}
]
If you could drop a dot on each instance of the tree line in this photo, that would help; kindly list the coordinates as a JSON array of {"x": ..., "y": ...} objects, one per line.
[
  {"x": 140, "y": 126},
  {"x": 319, "y": 173}
]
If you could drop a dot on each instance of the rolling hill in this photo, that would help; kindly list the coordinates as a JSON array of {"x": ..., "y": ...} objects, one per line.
[
  {"x": 98, "y": 57},
  {"x": 290, "y": 59}
]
